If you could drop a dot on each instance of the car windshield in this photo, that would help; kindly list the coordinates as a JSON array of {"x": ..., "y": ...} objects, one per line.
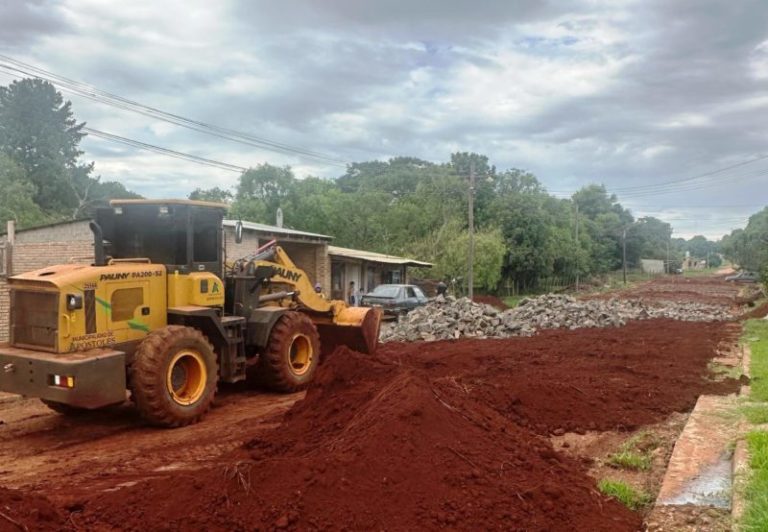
[{"x": 385, "y": 291}]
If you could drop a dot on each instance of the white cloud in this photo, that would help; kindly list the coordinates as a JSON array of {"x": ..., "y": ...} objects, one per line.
[{"x": 625, "y": 93}]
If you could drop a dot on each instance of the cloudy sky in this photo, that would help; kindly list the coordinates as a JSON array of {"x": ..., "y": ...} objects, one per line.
[{"x": 649, "y": 97}]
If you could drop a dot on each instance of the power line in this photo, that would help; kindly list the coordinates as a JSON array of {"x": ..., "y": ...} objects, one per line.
[
  {"x": 688, "y": 183},
  {"x": 164, "y": 151},
  {"x": 719, "y": 181},
  {"x": 711, "y": 173},
  {"x": 100, "y": 96}
]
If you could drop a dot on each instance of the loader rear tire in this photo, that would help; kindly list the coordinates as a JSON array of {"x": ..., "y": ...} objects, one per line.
[
  {"x": 292, "y": 355},
  {"x": 173, "y": 376}
]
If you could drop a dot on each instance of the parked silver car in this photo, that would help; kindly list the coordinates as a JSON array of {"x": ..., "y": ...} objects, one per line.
[
  {"x": 395, "y": 298},
  {"x": 744, "y": 277}
]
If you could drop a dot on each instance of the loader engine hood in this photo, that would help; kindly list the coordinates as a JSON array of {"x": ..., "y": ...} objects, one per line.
[{"x": 78, "y": 307}]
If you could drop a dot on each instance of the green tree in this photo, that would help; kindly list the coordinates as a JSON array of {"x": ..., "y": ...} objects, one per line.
[
  {"x": 91, "y": 193},
  {"x": 40, "y": 133},
  {"x": 17, "y": 199},
  {"x": 261, "y": 191},
  {"x": 451, "y": 256},
  {"x": 215, "y": 194},
  {"x": 606, "y": 220},
  {"x": 748, "y": 247},
  {"x": 653, "y": 237}
]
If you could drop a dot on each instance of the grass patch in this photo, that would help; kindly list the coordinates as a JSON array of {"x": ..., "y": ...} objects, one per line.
[
  {"x": 624, "y": 493},
  {"x": 755, "y": 414},
  {"x": 701, "y": 273},
  {"x": 513, "y": 301},
  {"x": 756, "y": 492},
  {"x": 756, "y": 334},
  {"x": 630, "y": 460},
  {"x": 635, "y": 453}
]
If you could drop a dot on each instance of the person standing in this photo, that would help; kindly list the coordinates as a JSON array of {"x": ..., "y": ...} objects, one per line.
[
  {"x": 352, "y": 294},
  {"x": 442, "y": 288}
]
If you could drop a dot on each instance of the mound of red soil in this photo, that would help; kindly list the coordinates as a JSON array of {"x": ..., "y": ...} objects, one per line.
[
  {"x": 491, "y": 300},
  {"x": 590, "y": 379},
  {"x": 377, "y": 445},
  {"x": 24, "y": 511}
]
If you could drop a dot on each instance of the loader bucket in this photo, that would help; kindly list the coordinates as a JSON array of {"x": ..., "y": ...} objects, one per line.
[{"x": 354, "y": 327}]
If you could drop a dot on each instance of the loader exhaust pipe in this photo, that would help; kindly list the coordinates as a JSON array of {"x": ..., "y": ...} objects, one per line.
[{"x": 98, "y": 244}]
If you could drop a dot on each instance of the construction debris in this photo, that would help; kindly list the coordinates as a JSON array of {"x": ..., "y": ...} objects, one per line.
[{"x": 447, "y": 317}]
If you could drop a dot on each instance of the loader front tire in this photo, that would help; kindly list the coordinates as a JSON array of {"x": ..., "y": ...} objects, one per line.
[
  {"x": 173, "y": 376},
  {"x": 292, "y": 355}
]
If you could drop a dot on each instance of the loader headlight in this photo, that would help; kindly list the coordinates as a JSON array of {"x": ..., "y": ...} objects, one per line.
[{"x": 74, "y": 302}]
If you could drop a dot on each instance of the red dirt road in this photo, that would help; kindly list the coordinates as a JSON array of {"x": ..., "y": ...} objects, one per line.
[
  {"x": 591, "y": 379},
  {"x": 442, "y": 435},
  {"x": 705, "y": 289}
]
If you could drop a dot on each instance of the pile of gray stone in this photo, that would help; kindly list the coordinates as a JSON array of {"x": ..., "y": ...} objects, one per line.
[{"x": 447, "y": 317}]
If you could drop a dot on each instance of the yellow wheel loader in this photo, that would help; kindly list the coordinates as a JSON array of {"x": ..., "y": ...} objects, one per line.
[{"x": 159, "y": 314}]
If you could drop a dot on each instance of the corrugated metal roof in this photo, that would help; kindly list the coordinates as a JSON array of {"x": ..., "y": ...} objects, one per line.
[
  {"x": 375, "y": 257},
  {"x": 194, "y": 203},
  {"x": 45, "y": 226},
  {"x": 274, "y": 230}
]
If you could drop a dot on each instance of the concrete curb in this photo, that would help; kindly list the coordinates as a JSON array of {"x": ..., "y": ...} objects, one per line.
[
  {"x": 740, "y": 478},
  {"x": 741, "y": 452}
]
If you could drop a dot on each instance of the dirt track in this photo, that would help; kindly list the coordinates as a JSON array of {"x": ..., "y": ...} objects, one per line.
[
  {"x": 705, "y": 289},
  {"x": 439, "y": 435},
  {"x": 42, "y": 450}
]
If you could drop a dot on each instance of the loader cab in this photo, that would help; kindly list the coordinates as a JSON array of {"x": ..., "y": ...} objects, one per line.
[{"x": 184, "y": 235}]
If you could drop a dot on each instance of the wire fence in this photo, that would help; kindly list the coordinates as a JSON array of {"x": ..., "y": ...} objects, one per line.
[
  {"x": 572, "y": 283},
  {"x": 546, "y": 285}
]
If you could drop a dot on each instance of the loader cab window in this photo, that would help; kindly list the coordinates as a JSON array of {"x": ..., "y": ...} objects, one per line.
[
  {"x": 184, "y": 237},
  {"x": 205, "y": 229},
  {"x": 144, "y": 232}
]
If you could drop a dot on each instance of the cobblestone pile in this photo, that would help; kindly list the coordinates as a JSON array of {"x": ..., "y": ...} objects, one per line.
[{"x": 448, "y": 317}]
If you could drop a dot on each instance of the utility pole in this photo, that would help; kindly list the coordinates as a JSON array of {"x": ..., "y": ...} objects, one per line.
[
  {"x": 471, "y": 201},
  {"x": 668, "y": 269},
  {"x": 624, "y": 253},
  {"x": 577, "y": 247}
]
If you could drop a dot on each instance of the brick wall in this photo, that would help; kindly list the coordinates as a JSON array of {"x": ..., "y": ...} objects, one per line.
[
  {"x": 39, "y": 248},
  {"x": 233, "y": 250}
]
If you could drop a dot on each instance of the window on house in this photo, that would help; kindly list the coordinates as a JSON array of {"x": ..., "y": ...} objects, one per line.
[{"x": 124, "y": 303}]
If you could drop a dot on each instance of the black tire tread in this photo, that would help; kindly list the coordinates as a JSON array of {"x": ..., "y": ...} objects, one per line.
[
  {"x": 273, "y": 372},
  {"x": 144, "y": 375}
]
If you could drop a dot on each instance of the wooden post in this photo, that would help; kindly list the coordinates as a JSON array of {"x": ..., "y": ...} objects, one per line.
[{"x": 471, "y": 200}]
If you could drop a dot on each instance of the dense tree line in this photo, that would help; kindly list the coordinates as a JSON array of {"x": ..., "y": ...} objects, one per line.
[
  {"x": 405, "y": 205},
  {"x": 748, "y": 247},
  {"x": 415, "y": 207}
]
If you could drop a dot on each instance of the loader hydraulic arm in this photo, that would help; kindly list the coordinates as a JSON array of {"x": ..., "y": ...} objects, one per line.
[
  {"x": 284, "y": 271},
  {"x": 336, "y": 322}
]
